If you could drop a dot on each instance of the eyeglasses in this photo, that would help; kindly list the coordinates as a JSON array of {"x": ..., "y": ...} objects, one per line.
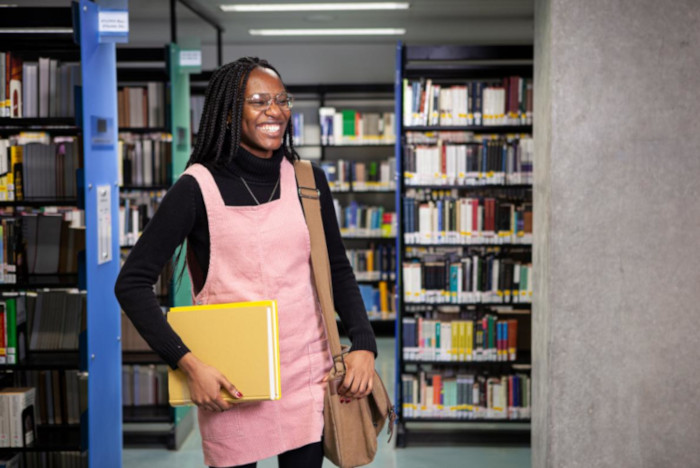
[{"x": 262, "y": 101}]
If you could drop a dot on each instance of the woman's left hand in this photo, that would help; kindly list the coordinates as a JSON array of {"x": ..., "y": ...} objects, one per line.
[{"x": 359, "y": 375}]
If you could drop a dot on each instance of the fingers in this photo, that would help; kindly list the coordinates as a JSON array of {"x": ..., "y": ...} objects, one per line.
[
  {"x": 356, "y": 385},
  {"x": 230, "y": 388}
]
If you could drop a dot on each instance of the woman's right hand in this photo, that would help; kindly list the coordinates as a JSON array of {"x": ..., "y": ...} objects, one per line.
[{"x": 205, "y": 383}]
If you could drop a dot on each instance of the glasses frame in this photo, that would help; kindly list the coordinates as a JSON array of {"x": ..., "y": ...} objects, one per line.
[{"x": 289, "y": 97}]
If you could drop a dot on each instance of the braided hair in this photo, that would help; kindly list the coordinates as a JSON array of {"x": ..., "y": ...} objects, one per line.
[{"x": 220, "y": 125}]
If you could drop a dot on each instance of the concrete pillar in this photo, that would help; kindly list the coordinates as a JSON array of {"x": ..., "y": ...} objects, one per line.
[{"x": 616, "y": 318}]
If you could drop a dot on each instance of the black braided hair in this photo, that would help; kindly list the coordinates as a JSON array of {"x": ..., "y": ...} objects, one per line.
[{"x": 224, "y": 97}]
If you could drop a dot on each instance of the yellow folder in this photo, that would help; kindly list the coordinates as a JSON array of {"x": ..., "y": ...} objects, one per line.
[{"x": 240, "y": 339}]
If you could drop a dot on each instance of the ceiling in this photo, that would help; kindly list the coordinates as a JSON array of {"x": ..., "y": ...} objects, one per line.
[{"x": 426, "y": 21}]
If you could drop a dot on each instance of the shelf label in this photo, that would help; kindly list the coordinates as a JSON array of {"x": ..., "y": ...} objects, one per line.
[
  {"x": 104, "y": 224},
  {"x": 190, "y": 58},
  {"x": 113, "y": 25}
]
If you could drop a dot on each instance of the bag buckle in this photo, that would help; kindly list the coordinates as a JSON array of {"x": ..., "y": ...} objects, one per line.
[
  {"x": 316, "y": 191},
  {"x": 340, "y": 360}
]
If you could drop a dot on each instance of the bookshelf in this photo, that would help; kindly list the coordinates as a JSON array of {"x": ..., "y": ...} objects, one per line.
[
  {"x": 85, "y": 374},
  {"x": 464, "y": 243},
  {"x": 348, "y": 159},
  {"x": 160, "y": 149}
]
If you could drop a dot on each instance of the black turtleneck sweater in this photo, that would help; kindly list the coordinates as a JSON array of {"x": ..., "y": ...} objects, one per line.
[{"x": 182, "y": 215}]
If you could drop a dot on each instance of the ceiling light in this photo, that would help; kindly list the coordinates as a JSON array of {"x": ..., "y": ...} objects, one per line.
[
  {"x": 354, "y": 6},
  {"x": 328, "y": 32}
]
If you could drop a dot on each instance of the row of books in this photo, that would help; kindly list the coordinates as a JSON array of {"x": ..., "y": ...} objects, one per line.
[
  {"x": 196, "y": 109},
  {"x": 55, "y": 319},
  {"x": 131, "y": 339},
  {"x": 36, "y": 242},
  {"x": 61, "y": 395},
  {"x": 344, "y": 175},
  {"x": 144, "y": 385},
  {"x": 503, "y": 102},
  {"x": 348, "y": 127},
  {"x": 145, "y": 159},
  {"x": 454, "y": 220},
  {"x": 359, "y": 220},
  {"x": 13, "y": 327},
  {"x": 475, "y": 279},
  {"x": 493, "y": 162},
  {"x": 375, "y": 263},
  {"x": 35, "y": 166},
  {"x": 136, "y": 208},
  {"x": 297, "y": 128},
  {"x": 140, "y": 107},
  {"x": 446, "y": 395},
  {"x": 487, "y": 339},
  {"x": 17, "y": 416},
  {"x": 46, "y": 88},
  {"x": 379, "y": 301},
  {"x": 33, "y": 459}
]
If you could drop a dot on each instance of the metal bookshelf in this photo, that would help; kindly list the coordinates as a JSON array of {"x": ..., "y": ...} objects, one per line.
[
  {"x": 452, "y": 65},
  {"x": 72, "y": 35}
]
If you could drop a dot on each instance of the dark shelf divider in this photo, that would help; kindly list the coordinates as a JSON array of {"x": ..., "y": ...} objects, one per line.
[
  {"x": 147, "y": 414},
  {"x": 42, "y": 360}
]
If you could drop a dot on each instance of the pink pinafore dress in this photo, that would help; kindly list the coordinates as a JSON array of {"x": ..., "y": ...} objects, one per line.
[{"x": 263, "y": 252}]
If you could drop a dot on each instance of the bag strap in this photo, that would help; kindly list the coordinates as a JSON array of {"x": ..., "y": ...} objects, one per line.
[{"x": 320, "y": 265}]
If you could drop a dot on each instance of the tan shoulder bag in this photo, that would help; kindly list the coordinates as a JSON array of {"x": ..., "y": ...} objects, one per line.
[{"x": 350, "y": 430}]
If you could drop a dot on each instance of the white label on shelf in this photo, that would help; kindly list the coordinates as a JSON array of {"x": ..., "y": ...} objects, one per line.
[
  {"x": 114, "y": 22},
  {"x": 190, "y": 58},
  {"x": 104, "y": 224}
]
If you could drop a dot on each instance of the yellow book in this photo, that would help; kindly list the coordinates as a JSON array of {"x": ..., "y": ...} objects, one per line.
[{"x": 240, "y": 339}]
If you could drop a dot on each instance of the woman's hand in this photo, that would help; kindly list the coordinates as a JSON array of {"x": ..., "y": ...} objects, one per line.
[
  {"x": 205, "y": 383},
  {"x": 359, "y": 375}
]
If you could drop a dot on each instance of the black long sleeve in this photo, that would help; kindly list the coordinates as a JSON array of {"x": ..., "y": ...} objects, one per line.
[{"x": 182, "y": 215}]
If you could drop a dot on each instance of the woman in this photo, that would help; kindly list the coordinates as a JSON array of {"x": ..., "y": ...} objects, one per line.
[{"x": 238, "y": 208}]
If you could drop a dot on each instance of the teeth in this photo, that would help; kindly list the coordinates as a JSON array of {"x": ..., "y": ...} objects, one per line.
[{"x": 270, "y": 128}]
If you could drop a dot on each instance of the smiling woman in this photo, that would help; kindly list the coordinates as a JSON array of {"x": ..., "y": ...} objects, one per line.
[
  {"x": 264, "y": 124},
  {"x": 236, "y": 205}
]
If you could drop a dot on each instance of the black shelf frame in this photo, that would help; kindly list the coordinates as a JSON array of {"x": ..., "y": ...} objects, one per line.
[
  {"x": 496, "y": 129},
  {"x": 454, "y": 64},
  {"x": 41, "y": 202},
  {"x": 147, "y": 414},
  {"x": 143, "y": 188},
  {"x": 141, "y": 357},
  {"x": 51, "y": 438},
  {"x": 46, "y": 360},
  {"x": 43, "y": 281},
  {"x": 515, "y": 305},
  {"x": 143, "y": 130},
  {"x": 509, "y": 245},
  {"x": 470, "y": 187}
]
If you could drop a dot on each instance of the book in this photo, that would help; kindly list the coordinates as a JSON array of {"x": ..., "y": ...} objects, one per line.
[
  {"x": 240, "y": 339},
  {"x": 20, "y": 404},
  {"x": 11, "y": 461}
]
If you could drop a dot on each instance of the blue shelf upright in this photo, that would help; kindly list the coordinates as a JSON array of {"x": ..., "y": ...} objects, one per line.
[{"x": 98, "y": 27}]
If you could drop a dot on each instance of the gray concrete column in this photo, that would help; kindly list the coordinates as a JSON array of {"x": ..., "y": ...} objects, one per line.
[{"x": 616, "y": 318}]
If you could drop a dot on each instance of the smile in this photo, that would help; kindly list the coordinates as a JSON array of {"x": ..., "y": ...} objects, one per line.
[{"x": 270, "y": 129}]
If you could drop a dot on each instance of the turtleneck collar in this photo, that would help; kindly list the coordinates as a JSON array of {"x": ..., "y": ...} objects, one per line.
[{"x": 255, "y": 169}]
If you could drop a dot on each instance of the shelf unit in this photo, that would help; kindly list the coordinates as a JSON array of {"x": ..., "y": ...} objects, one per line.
[
  {"x": 173, "y": 424},
  {"x": 75, "y": 37},
  {"x": 452, "y": 65},
  {"x": 376, "y": 97}
]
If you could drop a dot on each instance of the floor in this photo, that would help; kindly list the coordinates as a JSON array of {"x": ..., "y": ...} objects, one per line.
[{"x": 190, "y": 454}]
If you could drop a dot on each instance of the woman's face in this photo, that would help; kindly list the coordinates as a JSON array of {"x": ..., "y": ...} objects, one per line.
[{"x": 262, "y": 127}]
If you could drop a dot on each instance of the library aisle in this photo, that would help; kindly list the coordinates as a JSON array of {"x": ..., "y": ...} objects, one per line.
[{"x": 190, "y": 455}]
